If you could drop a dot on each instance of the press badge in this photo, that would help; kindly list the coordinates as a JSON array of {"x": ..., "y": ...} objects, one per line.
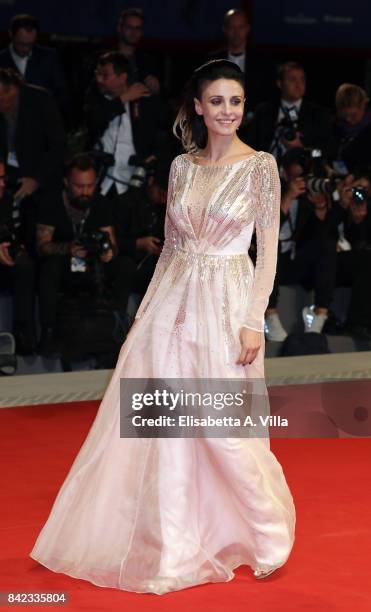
[{"x": 78, "y": 264}]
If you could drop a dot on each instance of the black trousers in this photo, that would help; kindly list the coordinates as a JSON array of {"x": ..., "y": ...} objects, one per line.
[
  {"x": 314, "y": 267},
  {"x": 55, "y": 275},
  {"x": 354, "y": 269},
  {"x": 20, "y": 279}
]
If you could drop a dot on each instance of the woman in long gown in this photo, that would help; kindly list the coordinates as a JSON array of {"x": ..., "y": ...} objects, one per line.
[{"x": 162, "y": 514}]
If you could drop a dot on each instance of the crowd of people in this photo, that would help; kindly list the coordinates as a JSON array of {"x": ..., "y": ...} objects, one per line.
[{"x": 82, "y": 212}]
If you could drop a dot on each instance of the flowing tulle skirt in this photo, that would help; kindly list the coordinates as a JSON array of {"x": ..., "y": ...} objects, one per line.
[{"x": 161, "y": 514}]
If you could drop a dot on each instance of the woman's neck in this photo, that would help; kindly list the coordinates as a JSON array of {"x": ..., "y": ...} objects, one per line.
[{"x": 221, "y": 147}]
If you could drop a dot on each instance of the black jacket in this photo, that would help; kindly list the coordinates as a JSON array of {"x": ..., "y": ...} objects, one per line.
[
  {"x": 358, "y": 234},
  {"x": 145, "y": 114},
  {"x": 43, "y": 69},
  {"x": 309, "y": 227},
  {"x": 40, "y": 137},
  {"x": 357, "y": 152},
  {"x": 314, "y": 122},
  {"x": 24, "y": 233}
]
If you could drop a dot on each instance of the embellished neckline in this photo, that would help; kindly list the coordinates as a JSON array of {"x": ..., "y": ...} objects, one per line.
[{"x": 213, "y": 166}]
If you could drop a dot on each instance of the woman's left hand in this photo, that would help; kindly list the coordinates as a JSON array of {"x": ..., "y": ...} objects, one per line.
[{"x": 251, "y": 341}]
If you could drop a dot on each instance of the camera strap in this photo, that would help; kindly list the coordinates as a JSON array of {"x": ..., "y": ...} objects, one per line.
[
  {"x": 77, "y": 221},
  {"x": 116, "y": 142},
  {"x": 78, "y": 227},
  {"x": 277, "y": 147},
  {"x": 291, "y": 238},
  {"x": 16, "y": 215}
]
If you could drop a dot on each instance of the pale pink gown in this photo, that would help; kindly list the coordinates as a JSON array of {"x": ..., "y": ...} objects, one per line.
[{"x": 162, "y": 514}]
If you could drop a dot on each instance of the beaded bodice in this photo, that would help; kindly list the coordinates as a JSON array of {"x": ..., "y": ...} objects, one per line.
[{"x": 211, "y": 215}]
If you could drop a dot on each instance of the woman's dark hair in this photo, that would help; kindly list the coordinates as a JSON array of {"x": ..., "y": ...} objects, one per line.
[{"x": 190, "y": 127}]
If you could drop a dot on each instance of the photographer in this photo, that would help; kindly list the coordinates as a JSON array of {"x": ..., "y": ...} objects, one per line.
[
  {"x": 32, "y": 137},
  {"x": 38, "y": 65},
  {"x": 307, "y": 241},
  {"x": 353, "y": 126},
  {"x": 122, "y": 120},
  {"x": 139, "y": 217},
  {"x": 291, "y": 121},
  {"x": 354, "y": 250},
  {"x": 70, "y": 255},
  {"x": 17, "y": 269}
]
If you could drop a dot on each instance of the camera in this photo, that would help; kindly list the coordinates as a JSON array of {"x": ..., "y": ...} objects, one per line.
[
  {"x": 142, "y": 171},
  {"x": 289, "y": 125},
  {"x": 102, "y": 160},
  {"x": 95, "y": 242},
  {"x": 142, "y": 168},
  {"x": 7, "y": 235},
  {"x": 360, "y": 196},
  {"x": 315, "y": 172}
]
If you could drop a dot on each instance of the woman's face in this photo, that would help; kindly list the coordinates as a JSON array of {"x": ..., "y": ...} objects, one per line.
[{"x": 221, "y": 105}]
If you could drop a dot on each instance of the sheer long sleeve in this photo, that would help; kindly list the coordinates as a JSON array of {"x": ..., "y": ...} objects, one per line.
[
  {"x": 266, "y": 185},
  {"x": 167, "y": 249}
]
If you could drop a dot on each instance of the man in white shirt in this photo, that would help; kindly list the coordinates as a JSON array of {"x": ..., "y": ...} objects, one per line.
[
  {"x": 292, "y": 83},
  {"x": 23, "y": 35},
  {"x": 122, "y": 120}
]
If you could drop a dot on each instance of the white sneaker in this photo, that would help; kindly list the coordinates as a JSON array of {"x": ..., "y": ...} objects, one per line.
[
  {"x": 313, "y": 322},
  {"x": 273, "y": 328}
]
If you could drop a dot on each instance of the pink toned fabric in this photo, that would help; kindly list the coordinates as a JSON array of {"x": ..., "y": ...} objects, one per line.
[{"x": 162, "y": 514}]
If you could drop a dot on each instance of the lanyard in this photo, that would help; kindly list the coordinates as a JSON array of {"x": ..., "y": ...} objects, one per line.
[{"x": 79, "y": 226}]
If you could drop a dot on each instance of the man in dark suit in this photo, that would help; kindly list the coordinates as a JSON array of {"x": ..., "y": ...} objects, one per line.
[
  {"x": 309, "y": 123},
  {"x": 259, "y": 72},
  {"x": 122, "y": 120},
  {"x": 38, "y": 65},
  {"x": 31, "y": 134}
]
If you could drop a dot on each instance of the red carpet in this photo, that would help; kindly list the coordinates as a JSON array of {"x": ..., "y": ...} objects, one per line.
[{"x": 329, "y": 567}]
